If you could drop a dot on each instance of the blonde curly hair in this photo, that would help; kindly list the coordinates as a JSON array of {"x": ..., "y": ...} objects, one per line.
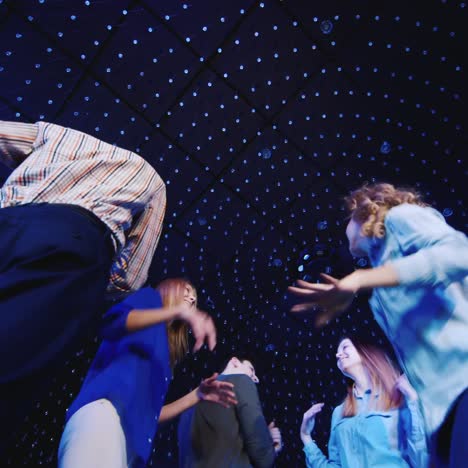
[{"x": 369, "y": 205}]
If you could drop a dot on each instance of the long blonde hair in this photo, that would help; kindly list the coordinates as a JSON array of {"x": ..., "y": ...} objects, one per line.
[
  {"x": 370, "y": 203},
  {"x": 383, "y": 375},
  {"x": 172, "y": 293}
]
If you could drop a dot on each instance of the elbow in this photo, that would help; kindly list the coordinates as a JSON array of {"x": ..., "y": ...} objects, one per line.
[
  {"x": 129, "y": 324},
  {"x": 265, "y": 460},
  {"x": 164, "y": 415}
]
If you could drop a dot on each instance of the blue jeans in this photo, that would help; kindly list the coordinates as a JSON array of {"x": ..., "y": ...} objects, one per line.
[{"x": 54, "y": 269}]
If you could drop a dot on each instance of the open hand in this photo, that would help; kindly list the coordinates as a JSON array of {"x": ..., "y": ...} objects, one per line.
[
  {"x": 308, "y": 420},
  {"x": 329, "y": 298},
  {"x": 276, "y": 437},
  {"x": 217, "y": 391},
  {"x": 403, "y": 386},
  {"x": 201, "y": 323}
]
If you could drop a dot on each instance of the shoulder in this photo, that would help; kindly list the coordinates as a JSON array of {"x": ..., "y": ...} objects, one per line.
[
  {"x": 244, "y": 387},
  {"x": 237, "y": 379},
  {"x": 406, "y": 218},
  {"x": 407, "y": 212},
  {"x": 337, "y": 414},
  {"x": 338, "y": 411},
  {"x": 144, "y": 298}
]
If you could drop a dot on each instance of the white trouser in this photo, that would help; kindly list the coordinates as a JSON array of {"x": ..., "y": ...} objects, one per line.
[{"x": 93, "y": 438}]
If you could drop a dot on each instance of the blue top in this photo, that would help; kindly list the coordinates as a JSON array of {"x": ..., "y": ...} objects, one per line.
[
  {"x": 132, "y": 371},
  {"x": 385, "y": 439},
  {"x": 426, "y": 317}
]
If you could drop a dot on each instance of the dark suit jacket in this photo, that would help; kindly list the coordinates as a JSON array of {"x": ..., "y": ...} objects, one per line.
[{"x": 211, "y": 436}]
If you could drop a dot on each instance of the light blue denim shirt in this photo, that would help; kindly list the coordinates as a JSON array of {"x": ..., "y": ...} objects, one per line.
[
  {"x": 426, "y": 317},
  {"x": 385, "y": 439}
]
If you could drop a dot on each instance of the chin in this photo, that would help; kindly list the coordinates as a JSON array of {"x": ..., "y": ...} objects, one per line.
[{"x": 357, "y": 251}]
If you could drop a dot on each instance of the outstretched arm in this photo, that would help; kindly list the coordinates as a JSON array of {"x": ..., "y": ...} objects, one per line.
[
  {"x": 210, "y": 389},
  {"x": 433, "y": 253},
  {"x": 122, "y": 319},
  {"x": 139, "y": 319},
  {"x": 334, "y": 296}
]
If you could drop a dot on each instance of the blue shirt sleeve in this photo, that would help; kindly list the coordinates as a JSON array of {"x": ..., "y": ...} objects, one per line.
[
  {"x": 434, "y": 253},
  {"x": 114, "y": 324},
  {"x": 414, "y": 436},
  {"x": 314, "y": 456},
  {"x": 115, "y": 321}
]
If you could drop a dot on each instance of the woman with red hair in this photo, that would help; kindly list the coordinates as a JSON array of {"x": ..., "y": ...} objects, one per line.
[
  {"x": 378, "y": 423},
  {"x": 419, "y": 278},
  {"x": 113, "y": 420}
]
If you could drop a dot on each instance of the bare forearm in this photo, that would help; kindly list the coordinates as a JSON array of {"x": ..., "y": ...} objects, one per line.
[
  {"x": 177, "y": 407},
  {"x": 139, "y": 319},
  {"x": 381, "y": 277}
]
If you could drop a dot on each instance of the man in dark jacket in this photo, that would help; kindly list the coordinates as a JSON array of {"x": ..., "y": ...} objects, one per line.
[{"x": 211, "y": 436}]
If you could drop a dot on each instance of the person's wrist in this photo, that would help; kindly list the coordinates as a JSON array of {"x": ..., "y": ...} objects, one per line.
[
  {"x": 352, "y": 282},
  {"x": 181, "y": 313},
  {"x": 410, "y": 395},
  {"x": 199, "y": 394},
  {"x": 306, "y": 438}
]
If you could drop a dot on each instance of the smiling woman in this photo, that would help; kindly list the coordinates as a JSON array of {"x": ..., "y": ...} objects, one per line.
[
  {"x": 347, "y": 356},
  {"x": 379, "y": 415},
  {"x": 419, "y": 279}
]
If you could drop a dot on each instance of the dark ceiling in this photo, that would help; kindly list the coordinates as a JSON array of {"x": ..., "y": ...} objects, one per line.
[{"x": 260, "y": 116}]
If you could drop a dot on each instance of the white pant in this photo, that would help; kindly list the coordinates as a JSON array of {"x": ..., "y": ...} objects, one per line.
[{"x": 93, "y": 438}]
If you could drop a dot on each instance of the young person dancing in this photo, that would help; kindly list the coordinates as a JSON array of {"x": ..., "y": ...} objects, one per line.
[
  {"x": 378, "y": 423},
  {"x": 420, "y": 299},
  {"x": 113, "y": 420}
]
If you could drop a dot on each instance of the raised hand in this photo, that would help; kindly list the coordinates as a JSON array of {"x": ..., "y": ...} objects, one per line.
[
  {"x": 201, "y": 323},
  {"x": 217, "y": 391},
  {"x": 308, "y": 421},
  {"x": 276, "y": 437},
  {"x": 329, "y": 298},
  {"x": 404, "y": 387}
]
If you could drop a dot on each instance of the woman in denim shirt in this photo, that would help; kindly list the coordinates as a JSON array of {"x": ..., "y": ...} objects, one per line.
[
  {"x": 378, "y": 424},
  {"x": 420, "y": 299}
]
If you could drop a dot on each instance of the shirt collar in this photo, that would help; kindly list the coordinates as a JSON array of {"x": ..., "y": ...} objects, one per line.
[{"x": 366, "y": 394}]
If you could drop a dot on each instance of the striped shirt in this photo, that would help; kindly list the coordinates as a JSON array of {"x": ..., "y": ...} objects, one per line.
[{"x": 53, "y": 164}]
